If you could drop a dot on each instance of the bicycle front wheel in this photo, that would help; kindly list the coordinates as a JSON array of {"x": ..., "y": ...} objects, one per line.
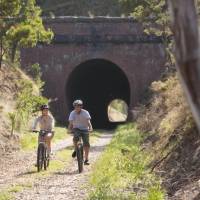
[
  {"x": 79, "y": 153},
  {"x": 40, "y": 157},
  {"x": 45, "y": 158}
]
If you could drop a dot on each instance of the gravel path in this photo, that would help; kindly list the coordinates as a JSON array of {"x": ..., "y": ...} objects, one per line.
[
  {"x": 14, "y": 165},
  {"x": 67, "y": 184}
]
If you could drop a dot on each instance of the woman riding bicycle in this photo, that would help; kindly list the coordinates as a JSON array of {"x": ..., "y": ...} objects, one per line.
[
  {"x": 46, "y": 123},
  {"x": 80, "y": 125}
]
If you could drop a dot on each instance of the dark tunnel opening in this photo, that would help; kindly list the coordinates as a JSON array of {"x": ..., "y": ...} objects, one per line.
[{"x": 97, "y": 82}]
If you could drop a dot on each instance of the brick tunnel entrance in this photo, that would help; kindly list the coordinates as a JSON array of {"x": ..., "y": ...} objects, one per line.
[{"x": 97, "y": 82}]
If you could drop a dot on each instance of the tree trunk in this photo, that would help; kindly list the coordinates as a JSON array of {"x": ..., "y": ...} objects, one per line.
[
  {"x": 13, "y": 51},
  {"x": 185, "y": 29}
]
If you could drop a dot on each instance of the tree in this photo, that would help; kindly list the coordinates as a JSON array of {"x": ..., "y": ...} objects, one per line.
[
  {"x": 186, "y": 37},
  {"x": 20, "y": 26},
  {"x": 185, "y": 29},
  {"x": 153, "y": 14}
]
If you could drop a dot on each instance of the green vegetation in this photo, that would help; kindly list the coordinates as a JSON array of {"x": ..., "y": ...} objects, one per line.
[
  {"x": 5, "y": 195},
  {"x": 167, "y": 116},
  {"x": 8, "y": 194},
  {"x": 20, "y": 26},
  {"x": 60, "y": 134},
  {"x": 12, "y": 118},
  {"x": 60, "y": 162},
  {"x": 62, "y": 159},
  {"x": 29, "y": 140},
  {"x": 126, "y": 165},
  {"x": 27, "y": 103}
]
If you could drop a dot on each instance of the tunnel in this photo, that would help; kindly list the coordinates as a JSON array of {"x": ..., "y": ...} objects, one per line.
[{"x": 97, "y": 82}]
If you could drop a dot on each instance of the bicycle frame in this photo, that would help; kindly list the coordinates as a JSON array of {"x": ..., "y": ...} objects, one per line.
[
  {"x": 79, "y": 153},
  {"x": 42, "y": 153}
]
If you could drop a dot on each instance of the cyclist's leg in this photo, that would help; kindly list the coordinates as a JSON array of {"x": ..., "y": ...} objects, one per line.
[
  {"x": 48, "y": 143},
  {"x": 86, "y": 144}
]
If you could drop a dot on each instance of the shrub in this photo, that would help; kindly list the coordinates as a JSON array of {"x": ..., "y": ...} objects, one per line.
[{"x": 27, "y": 103}]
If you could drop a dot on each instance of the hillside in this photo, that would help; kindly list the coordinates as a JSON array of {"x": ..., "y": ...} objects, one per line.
[
  {"x": 11, "y": 83},
  {"x": 173, "y": 140}
]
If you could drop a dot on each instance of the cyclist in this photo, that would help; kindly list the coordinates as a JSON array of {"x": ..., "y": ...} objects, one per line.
[
  {"x": 46, "y": 123},
  {"x": 80, "y": 125}
]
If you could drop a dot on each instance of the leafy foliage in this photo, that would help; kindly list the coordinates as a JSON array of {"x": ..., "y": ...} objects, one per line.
[
  {"x": 20, "y": 26},
  {"x": 27, "y": 103},
  {"x": 12, "y": 118},
  {"x": 154, "y": 16},
  {"x": 36, "y": 73},
  {"x": 127, "y": 175}
]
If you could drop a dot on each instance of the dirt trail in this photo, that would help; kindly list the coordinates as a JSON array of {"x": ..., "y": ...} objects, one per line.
[
  {"x": 15, "y": 164},
  {"x": 67, "y": 184}
]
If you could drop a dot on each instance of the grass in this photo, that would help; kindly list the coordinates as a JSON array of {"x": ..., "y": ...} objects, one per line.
[
  {"x": 122, "y": 172},
  {"x": 94, "y": 136},
  {"x": 8, "y": 194},
  {"x": 60, "y": 134},
  {"x": 29, "y": 141},
  {"x": 4, "y": 195},
  {"x": 61, "y": 160}
]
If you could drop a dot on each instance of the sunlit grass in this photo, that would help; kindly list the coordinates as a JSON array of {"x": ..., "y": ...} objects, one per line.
[
  {"x": 60, "y": 134},
  {"x": 8, "y": 194},
  {"x": 61, "y": 161},
  {"x": 94, "y": 136},
  {"x": 29, "y": 141},
  {"x": 15, "y": 189},
  {"x": 64, "y": 154},
  {"x": 122, "y": 167},
  {"x": 5, "y": 195}
]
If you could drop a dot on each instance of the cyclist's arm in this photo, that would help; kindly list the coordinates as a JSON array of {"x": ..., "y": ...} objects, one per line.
[
  {"x": 35, "y": 123},
  {"x": 52, "y": 127},
  {"x": 52, "y": 124},
  {"x": 90, "y": 125},
  {"x": 70, "y": 126}
]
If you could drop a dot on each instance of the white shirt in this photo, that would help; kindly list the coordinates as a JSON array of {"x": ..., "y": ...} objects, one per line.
[{"x": 80, "y": 120}]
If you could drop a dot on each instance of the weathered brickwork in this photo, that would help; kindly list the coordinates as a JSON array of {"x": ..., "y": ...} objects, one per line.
[{"x": 119, "y": 41}]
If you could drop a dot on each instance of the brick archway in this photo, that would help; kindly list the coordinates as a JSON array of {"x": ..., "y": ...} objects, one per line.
[
  {"x": 97, "y": 82},
  {"x": 109, "y": 40}
]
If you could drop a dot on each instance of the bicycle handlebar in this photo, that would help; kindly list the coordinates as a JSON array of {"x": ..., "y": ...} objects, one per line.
[{"x": 37, "y": 131}]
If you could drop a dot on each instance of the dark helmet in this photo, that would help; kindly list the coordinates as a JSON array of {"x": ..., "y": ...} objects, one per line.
[
  {"x": 78, "y": 103},
  {"x": 45, "y": 106}
]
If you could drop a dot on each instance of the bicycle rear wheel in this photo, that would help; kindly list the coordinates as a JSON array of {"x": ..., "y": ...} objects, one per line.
[
  {"x": 79, "y": 153},
  {"x": 40, "y": 157}
]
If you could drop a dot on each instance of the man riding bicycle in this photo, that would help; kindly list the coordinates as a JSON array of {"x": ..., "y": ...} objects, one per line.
[
  {"x": 80, "y": 125},
  {"x": 46, "y": 123}
]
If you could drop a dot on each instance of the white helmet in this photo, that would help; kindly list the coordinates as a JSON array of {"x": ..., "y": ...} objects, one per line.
[{"x": 78, "y": 103}]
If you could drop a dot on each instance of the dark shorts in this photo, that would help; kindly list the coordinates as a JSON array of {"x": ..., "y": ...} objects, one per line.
[{"x": 84, "y": 135}]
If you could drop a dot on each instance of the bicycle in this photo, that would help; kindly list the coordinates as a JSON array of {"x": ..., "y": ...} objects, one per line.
[
  {"x": 42, "y": 153},
  {"x": 79, "y": 151}
]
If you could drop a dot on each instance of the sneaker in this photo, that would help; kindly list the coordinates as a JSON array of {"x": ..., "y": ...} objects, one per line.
[
  {"x": 74, "y": 154},
  {"x": 86, "y": 162}
]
